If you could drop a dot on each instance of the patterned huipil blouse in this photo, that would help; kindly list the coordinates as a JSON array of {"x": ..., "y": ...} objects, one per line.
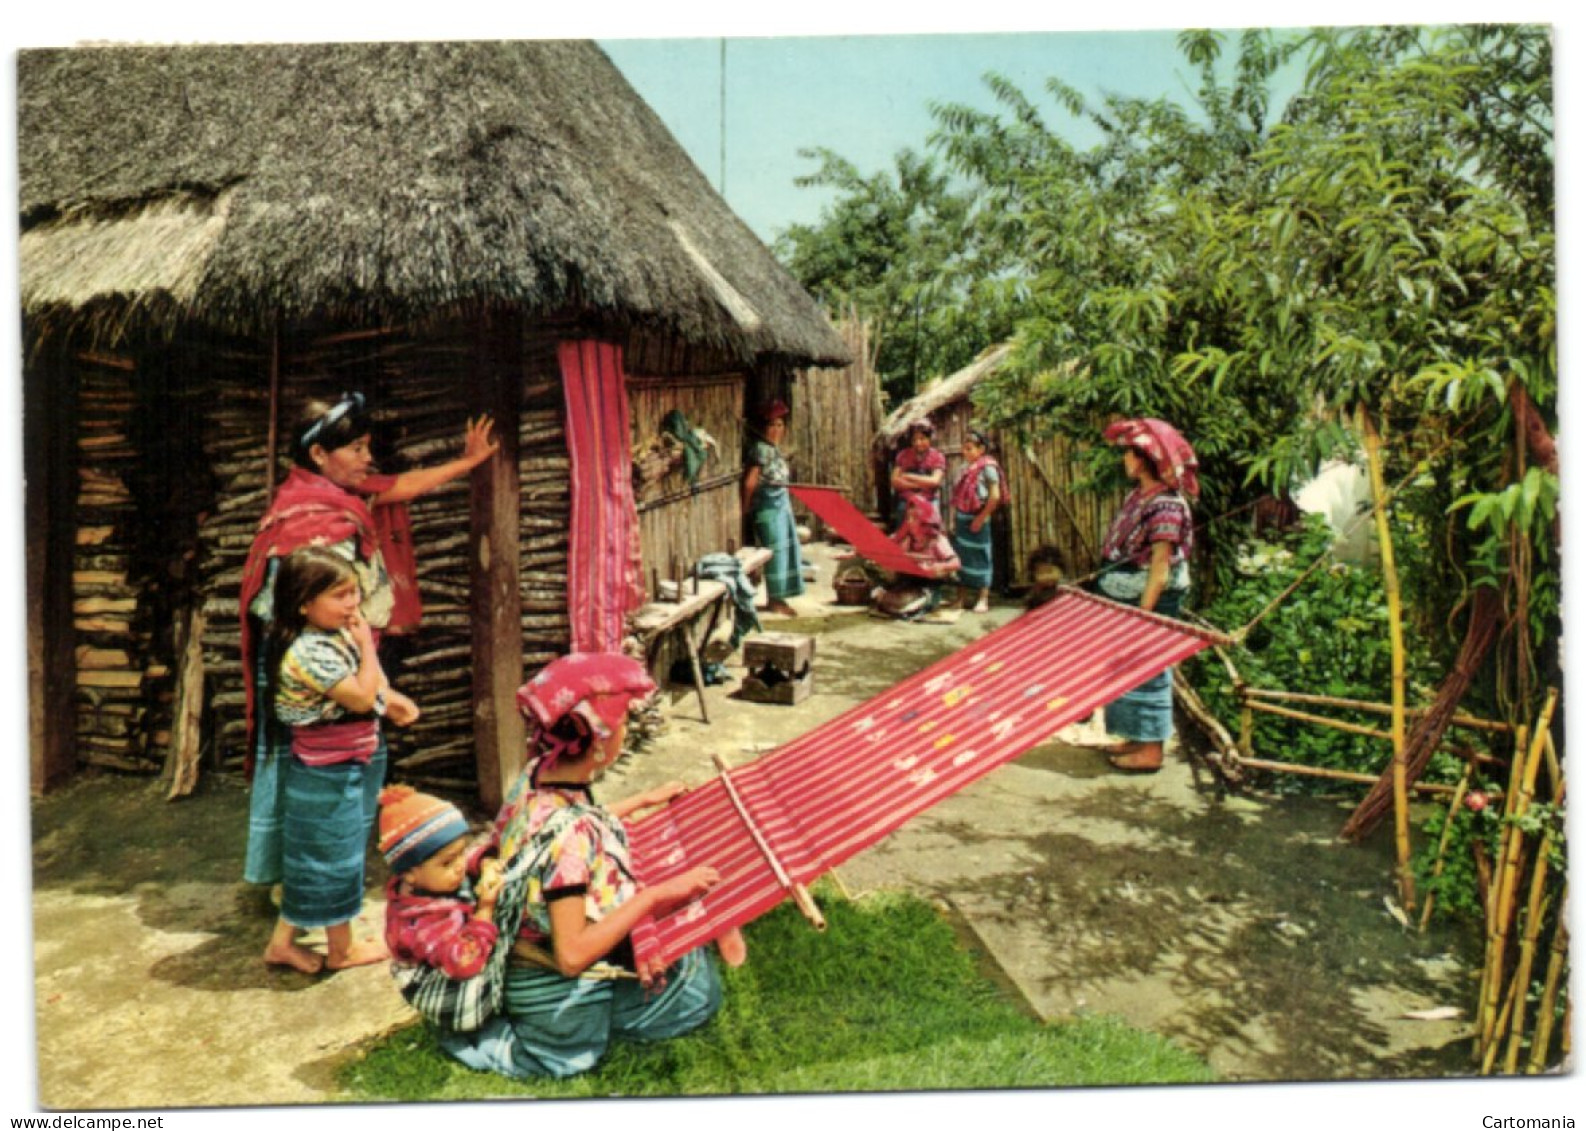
[{"x": 584, "y": 855}]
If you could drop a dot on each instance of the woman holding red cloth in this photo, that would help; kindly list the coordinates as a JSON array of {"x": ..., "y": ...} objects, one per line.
[{"x": 331, "y": 498}]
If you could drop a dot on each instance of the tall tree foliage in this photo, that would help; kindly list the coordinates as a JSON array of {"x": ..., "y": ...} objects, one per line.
[
  {"x": 1386, "y": 244},
  {"x": 904, "y": 250}
]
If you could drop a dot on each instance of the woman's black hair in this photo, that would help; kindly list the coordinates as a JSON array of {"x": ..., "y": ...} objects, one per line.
[
  {"x": 329, "y": 424},
  {"x": 978, "y": 437},
  {"x": 1145, "y": 457},
  {"x": 302, "y": 575}
]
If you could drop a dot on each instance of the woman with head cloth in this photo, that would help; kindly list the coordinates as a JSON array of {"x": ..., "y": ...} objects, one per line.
[
  {"x": 769, "y": 508},
  {"x": 332, "y": 498},
  {"x": 917, "y": 471},
  {"x": 1146, "y": 563},
  {"x": 572, "y": 981},
  {"x": 977, "y": 494}
]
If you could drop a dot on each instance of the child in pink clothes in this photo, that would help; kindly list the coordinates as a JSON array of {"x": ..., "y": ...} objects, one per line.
[{"x": 437, "y": 914}]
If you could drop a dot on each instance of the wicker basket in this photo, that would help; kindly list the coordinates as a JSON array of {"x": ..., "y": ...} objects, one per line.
[{"x": 852, "y": 586}]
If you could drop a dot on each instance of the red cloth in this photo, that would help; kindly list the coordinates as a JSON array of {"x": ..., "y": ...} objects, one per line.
[
  {"x": 868, "y": 541},
  {"x": 849, "y": 782},
  {"x": 604, "y": 565},
  {"x": 436, "y": 930},
  {"x": 393, "y": 531},
  {"x": 308, "y": 510},
  {"x": 1175, "y": 460}
]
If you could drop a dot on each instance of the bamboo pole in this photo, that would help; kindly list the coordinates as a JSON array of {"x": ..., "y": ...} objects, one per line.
[
  {"x": 1549, "y": 1001},
  {"x": 1468, "y": 721},
  {"x": 1533, "y": 928},
  {"x": 1390, "y": 585},
  {"x": 1509, "y": 862},
  {"x": 1535, "y": 908},
  {"x": 1442, "y": 846},
  {"x": 1333, "y": 775}
]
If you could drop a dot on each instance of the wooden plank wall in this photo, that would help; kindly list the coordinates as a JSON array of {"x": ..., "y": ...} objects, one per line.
[
  {"x": 836, "y": 415},
  {"x": 1048, "y": 509},
  {"x": 678, "y": 524}
]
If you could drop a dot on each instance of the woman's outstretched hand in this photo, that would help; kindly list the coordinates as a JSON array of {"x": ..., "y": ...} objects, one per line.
[{"x": 479, "y": 440}]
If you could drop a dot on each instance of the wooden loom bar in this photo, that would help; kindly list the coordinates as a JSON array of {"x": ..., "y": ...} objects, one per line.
[{"x": 800, "y": 894}]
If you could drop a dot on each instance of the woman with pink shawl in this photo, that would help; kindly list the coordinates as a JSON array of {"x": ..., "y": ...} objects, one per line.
[
  {"x": 572, "y": 982},
  {"x": 1146, "y": 563}
]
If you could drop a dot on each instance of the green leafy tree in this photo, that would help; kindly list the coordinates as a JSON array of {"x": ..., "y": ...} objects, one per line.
[{"x": 900, "y": 249}]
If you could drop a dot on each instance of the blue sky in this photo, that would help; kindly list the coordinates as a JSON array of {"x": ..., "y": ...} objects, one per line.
[{"x": 865, "y": 97}]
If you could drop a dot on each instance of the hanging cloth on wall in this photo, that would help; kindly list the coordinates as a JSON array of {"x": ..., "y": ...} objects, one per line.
[
  {"x": 603, "y": 559},
  {"x": 840, "y": 788}
]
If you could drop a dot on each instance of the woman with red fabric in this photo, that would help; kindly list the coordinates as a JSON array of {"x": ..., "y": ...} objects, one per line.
[
  {"x": 331, "y": 498},
  {"x": 1146, "y": 563}
]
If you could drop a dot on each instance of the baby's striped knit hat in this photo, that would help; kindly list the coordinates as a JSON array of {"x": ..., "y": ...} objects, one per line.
[{"x": 415, "y": 826}]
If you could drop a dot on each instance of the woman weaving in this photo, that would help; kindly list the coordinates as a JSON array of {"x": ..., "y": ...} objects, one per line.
[
  {"x": 1146, "y": 563},
  {"x": 572, "y": 983},
  {"x": 332, "y": 498}
]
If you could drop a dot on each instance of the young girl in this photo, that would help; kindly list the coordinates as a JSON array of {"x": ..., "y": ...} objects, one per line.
[{"x": 326, "y": 684}]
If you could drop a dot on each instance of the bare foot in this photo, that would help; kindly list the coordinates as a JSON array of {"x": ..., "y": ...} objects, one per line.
[
  {"x": 1147, "y": 759},
  {"x": 292, "y": 954},
  {"x": 982, "y": 606},
  {"x": 1113, "y": 749},
  {"x": 365, "y": 952},
  {"x": 781, "y": 609},
  {"x": 731, "y": 947}
]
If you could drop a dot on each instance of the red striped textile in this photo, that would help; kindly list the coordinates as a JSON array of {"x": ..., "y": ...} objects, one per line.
[
  {"x": 834, "y": 509},
  {"x": 603, "y": 562},
  {"x": 846, "y": 784}
]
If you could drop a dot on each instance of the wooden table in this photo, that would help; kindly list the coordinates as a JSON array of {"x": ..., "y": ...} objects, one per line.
[{"x": 693, "y": 616}]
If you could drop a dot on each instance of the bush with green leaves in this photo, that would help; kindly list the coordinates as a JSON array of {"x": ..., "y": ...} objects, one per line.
[{"x": 1329, "y": 637}]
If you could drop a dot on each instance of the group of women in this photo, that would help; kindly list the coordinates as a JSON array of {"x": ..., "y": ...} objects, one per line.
[{"x": 307, "y": 822}]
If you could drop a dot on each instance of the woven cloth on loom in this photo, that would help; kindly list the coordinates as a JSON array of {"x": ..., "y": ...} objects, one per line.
[
  {"x": 834, "y": 509},
  {"x": 603, "y": 566},
  {"x": 849, "y": 782}
]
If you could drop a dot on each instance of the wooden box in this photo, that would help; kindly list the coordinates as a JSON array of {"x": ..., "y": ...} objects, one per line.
[{"x": 779, "y": 668}]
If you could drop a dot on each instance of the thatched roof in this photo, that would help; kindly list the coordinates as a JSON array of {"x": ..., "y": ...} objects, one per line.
[
  {"x": 942, "y": 392},
  {"x": 238, "y": 185}
]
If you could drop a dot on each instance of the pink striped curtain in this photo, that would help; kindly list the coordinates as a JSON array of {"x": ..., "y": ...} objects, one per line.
[{"x": 603, "y": 561}]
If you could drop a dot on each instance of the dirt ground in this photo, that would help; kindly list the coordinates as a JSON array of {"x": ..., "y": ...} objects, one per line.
[{"x": 1237, "y": 926}]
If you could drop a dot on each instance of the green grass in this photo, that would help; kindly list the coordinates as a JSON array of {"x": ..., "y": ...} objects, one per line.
[{"x": 885, "y": 1000}]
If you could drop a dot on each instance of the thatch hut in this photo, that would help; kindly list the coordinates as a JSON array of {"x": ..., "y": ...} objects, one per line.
[
  {"x": 212, "y": 233},
  {"x": 1048, "y": 510}
]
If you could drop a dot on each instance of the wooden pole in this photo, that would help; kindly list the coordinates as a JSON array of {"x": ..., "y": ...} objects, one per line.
[
  {"x": 1548, "y": 1004},
  {"x": 1509, "y": 864},
  {"x": 1334, "y": 775},
  {"x": 1390, "y": 585},
  {"x": 1468, "y": 721},
  {"x": 494, "y": 542},
  {"x": 800, "y": 894}
]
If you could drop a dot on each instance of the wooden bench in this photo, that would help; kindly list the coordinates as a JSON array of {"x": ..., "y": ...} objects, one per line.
[{"x": 693, "y": 616}]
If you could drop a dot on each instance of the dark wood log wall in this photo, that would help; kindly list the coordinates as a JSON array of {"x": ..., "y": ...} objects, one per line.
[{"x": 170, "y": 473}]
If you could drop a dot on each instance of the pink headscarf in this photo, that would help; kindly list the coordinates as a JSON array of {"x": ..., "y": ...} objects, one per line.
[
  {"x": 597, "y": 687},
  {"x": 1174, "y": 458}
]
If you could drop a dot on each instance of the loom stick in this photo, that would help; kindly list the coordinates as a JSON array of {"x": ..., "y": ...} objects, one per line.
[{"x": 800, "y": 894}]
